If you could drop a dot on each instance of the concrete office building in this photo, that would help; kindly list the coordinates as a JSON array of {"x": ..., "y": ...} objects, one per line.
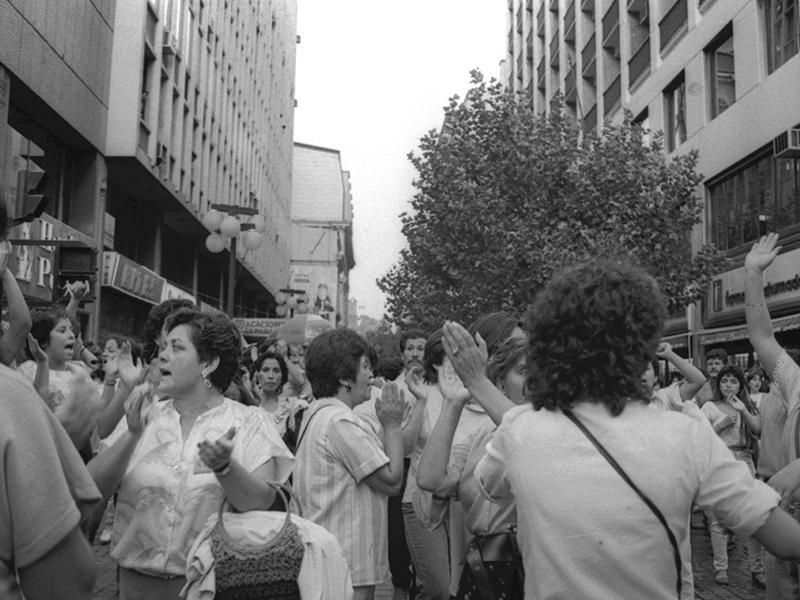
[
  {"x": 55, "y": 61},
  {"x": 718, "y": 76},
  {"x": 201, "y": 112}
]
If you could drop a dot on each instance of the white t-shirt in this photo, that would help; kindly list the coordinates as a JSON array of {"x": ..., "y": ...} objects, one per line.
[{"x": 583, "y": 532}]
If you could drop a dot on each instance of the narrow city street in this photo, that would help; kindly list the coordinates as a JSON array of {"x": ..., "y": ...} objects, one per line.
[{"x": 705, "y": 587}]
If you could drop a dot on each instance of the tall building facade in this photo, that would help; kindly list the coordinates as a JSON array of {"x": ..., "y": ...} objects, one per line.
[
  {"x": 718, "y": 76},
  {"x": 132, "y": 118},
  {"x": 322, "y": 232},
  {"x": 201, "y": 112},
  {"x": 55, "y": 63}
]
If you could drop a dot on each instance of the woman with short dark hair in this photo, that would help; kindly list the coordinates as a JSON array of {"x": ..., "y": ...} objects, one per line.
[
  {"x": 344, "y": 473},
  {"x": 584, "y": 531},
  {"x": 197, "y": 449}
]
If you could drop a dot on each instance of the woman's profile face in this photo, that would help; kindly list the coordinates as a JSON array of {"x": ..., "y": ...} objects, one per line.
[
  {"x": 179, "y": 363},
  {"x": 515, "y": 382}
]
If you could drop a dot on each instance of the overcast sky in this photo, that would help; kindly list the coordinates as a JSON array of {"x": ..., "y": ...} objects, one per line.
[{"x": 372, "y": 78}]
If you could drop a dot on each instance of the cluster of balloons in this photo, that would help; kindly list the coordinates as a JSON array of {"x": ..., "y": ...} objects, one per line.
[
  {"x": 223, "y": 228},
  {"x": 289, "y": 301}
]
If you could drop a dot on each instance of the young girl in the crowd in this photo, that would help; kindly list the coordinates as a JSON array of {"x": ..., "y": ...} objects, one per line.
[{"x": 736, "y": 420}]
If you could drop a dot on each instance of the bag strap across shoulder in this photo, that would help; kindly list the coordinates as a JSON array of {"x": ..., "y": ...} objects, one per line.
[
  {"x": 302, "y": 434},
  {"x": 605, "y": 454}
]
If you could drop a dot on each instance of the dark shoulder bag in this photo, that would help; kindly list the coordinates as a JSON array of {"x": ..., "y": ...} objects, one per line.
[{"x": 600, "y": 448}]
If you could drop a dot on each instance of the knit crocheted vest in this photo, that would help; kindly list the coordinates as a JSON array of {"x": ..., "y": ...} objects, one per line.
[{"x": 268, "y": 572}]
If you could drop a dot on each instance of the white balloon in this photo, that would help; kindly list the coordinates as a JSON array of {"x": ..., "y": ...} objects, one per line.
[
  {"x": 260, "y": 226},
  {"x": 212, "y": 219},
  {"x": 230, "y": 226},
  {"x": 252, "y": 240},
  {"x": 280, "y": 310},
  {"x": 302, "y": 307},
  {"x": 215, "y": 243}
]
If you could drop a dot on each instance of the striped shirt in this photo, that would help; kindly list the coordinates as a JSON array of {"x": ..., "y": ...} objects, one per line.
[{"x": 337, "y": 452}]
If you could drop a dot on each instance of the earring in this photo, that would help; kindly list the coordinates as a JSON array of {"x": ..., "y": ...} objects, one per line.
[
  {"x": 206, "y": 380},
  {"x": 348, "y": 387}
]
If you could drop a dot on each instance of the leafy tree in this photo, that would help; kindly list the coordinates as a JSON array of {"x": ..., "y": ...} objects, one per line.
[
  {"x": 505, "y": 198},
  {"x": 380, "y": 336}
]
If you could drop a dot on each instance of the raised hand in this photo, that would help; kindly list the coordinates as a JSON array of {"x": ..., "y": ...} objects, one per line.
[
  {"x": 39, "y": 355},
  {"x": 81, "y": 407},
  {"x": 663, "y": 350},
  {"x": 762, "y": 253},
  {"x": 416, "y": 385},
  {"x": 451, "y": 386},
  {"x": 736, "y": 404},
  {"x": 137, "y": 408},
  {"x": 129, "y": 372},
  {"x": 216, "y": 454},
  {"x": 111, "y": 368},
  {"x": 391, "y": 406},
  {"x": 77, "y": 290},
  {"x": 468, "y": 356}
]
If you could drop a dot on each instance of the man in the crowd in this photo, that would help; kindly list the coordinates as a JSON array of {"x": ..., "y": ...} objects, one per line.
[{"x": 716, "y": 359}]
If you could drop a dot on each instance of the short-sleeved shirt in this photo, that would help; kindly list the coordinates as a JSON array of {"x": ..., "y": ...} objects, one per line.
[
  {"x": 167, "y": 492},
  {"x": 668, "y": 398},
  {"x": 481, "y": 515},
  {"x": 583, "y": 532},
  {"x": 337, "y": 451},
  {"x": 734, "y": 436},
  {"x": 44, "y": 485},
  {"x": 60, "y": 381},
  {"x": 786, "y": 375}
]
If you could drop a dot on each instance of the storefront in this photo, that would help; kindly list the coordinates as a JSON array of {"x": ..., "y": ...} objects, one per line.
[
  {"x": 129, "y": 291},
  {"x": 724, "y": 317}
]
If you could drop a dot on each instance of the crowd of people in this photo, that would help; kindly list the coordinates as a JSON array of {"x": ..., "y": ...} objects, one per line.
[{"x": 512, "y": 458}]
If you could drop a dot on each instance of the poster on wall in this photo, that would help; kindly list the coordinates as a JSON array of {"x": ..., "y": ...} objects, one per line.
[{"x": 319, "y": 283}]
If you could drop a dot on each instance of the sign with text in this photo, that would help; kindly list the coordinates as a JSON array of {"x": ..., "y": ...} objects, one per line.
[
  {"x": 320, "y": 285},
  {"x": 123, "y": 274},
  {"x": 258, "y": 328},
  {"x": 781, "y": 287},
  {"x": 34, "y": 266},
  {"x": 171, "y": 292}
]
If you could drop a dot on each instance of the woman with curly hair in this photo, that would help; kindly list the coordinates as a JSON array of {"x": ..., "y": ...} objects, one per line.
[
  {"x": 194, "y": 449},
  {"x": 585, "y": 531}
]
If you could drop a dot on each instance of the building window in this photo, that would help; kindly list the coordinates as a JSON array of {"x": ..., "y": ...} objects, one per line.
[
  {"x": 763, "y": 195},
  {"x": 783, "y": 31},
  {"x": 721, "y": 75},
  {"x": 675, "y": 113}
]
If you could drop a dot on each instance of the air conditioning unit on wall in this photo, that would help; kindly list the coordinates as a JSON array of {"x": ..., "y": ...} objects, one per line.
[{"x": 787, "y": 144}]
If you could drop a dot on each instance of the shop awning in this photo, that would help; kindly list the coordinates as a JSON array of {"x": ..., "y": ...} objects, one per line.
[{"x": 739, "y": 332}]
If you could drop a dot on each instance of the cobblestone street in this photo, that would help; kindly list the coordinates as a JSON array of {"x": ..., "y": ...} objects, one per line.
[{"x": 705, "y": 587}]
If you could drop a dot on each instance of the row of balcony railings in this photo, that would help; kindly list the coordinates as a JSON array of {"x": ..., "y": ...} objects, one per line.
[
  {"x": 639, "y": 62},
  {"x": 554, "y": 6},
  {"x": 611, "y": 29},
  {"x": 554, "y": 51},
  {"x": 672, "y": 22},
  {"x": 570, "y": 87},
  {"x": 588, "y": 55},
  {"x": 612, "y": 95},
  {"x": 540, "y": 75},
  {"x": 519, "y": 21},
  {"x": 569, "y": 23},
  {"x": 587, "y": 6},
  {"x": 540, "y": 22},
  {"x": 590, "y": 119}
]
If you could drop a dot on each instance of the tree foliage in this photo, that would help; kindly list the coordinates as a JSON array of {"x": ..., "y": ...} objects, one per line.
[{"x": 505, "y": 198}]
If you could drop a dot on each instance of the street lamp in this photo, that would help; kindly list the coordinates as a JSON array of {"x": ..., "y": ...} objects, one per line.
[{"x": 225, "y": 228}]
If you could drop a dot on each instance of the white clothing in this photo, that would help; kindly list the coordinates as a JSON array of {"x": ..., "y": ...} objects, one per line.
[
  {"x": 583, "y": 532},
  {"x": 324, "y": 574},
  {"x": 668, "y": 398}
]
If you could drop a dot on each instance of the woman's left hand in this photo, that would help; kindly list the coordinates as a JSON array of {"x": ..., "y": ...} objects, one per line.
[
  {"x": 468, "y": 356},
  {"x": 216, "y": 455},
  {"x": 736, "y": 404}
]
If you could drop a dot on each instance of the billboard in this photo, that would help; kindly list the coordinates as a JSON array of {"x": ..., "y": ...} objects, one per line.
[{"x": 320, "y": 285}]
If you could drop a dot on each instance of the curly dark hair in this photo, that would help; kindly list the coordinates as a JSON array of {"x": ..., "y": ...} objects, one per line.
[
  {"x": 593, "y": 330},
  {"x": 256, "y": 367},
  {"x": 433, "y": 356},
  {"x": 43, "y": 321},
  {"x": 213, "y": 336},
  {"x": 156, "y": 319},
  {"x": 332, "y": 357}
]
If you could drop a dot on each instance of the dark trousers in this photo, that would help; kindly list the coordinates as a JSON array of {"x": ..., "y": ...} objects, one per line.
[{"x": 399, "y": 557}]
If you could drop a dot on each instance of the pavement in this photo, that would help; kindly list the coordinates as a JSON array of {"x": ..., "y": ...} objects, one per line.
[{"x": 706, "y": 588}]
